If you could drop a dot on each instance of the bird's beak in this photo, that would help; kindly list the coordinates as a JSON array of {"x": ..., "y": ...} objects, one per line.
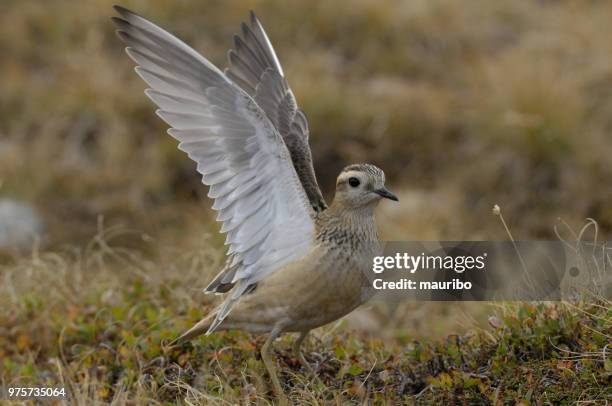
[{"x": 384, "y": 192}]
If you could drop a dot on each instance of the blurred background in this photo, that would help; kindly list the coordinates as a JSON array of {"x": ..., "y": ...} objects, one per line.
[{"x": 463, "y": 104}]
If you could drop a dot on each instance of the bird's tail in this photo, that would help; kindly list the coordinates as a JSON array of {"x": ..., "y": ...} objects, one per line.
[
  {"x": 213, "y": 320},
  {"x": 199, "y": 328}
]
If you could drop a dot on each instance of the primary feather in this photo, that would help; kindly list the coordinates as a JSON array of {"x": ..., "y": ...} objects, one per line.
[{"x": 254, "y": 66}]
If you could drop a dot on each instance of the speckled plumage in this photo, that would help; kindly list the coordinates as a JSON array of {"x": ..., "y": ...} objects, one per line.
[{"x": 301, "y": 295}]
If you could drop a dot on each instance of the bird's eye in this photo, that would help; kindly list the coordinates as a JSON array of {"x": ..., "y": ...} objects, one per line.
[{"x": 354, "y": 182}]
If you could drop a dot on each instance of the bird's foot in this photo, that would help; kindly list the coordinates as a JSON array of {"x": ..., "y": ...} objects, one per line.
[{"x": 305, "y": 363}]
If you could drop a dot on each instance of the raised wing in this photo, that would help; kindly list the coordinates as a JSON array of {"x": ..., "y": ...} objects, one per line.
[
  {"x": 239, "y": 152},
  {"x": 254, "y": 66}
]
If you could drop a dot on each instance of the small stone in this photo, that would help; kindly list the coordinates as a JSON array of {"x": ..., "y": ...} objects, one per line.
[
  {"x": 495, "y": 322},
  {"x": 20, "y": 225}
]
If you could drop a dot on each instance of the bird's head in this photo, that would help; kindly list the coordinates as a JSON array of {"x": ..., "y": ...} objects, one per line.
[{"x": 361, "y": 185}]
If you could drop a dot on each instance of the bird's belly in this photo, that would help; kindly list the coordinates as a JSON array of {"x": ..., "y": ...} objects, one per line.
[
  {"x": 322, "y": 295},
  {"x": 330, "y": 296}
]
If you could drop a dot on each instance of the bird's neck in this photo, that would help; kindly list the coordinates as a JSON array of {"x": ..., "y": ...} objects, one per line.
[{"x": 356, "y": 223}]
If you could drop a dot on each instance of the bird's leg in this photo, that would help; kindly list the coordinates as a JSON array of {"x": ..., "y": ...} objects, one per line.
[
  {"x": 298, "y": 352},
  {"x": 266, "y": 351}
]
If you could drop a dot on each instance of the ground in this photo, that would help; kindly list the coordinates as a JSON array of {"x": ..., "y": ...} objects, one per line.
[{"x": 98, "y": 322}]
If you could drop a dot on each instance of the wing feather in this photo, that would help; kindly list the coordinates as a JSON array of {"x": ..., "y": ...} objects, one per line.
[
  {"x": 239, "y": 152},
  {"x": 254, "y": 66}
]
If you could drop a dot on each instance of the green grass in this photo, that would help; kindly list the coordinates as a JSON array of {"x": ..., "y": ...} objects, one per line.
[{"x": 98, "y": 321}]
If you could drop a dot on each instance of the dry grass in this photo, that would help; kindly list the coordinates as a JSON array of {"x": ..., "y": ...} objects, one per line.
[{"x": 96, "y": 321}]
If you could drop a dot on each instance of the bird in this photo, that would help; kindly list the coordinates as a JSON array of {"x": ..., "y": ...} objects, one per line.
[{"x": 294, "y": 263}]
